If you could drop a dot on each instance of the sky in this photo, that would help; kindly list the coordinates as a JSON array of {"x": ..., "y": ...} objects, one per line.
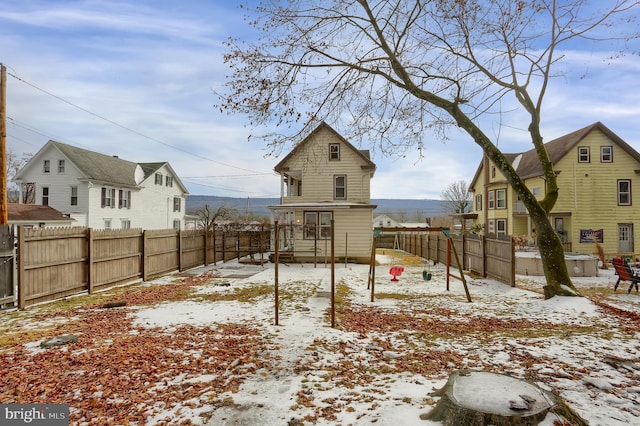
[{"x": 137, "y": 80}]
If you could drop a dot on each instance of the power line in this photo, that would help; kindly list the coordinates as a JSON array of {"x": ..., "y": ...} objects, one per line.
[
  {"x": 225, "y": 188},
  {"x": 123, "y": 126}
]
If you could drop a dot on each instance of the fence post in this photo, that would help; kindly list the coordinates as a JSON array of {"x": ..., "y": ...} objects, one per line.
[
  {"x": 90, "y": 260},
  {"x": 484, "y": 255},
  {"x": 513, "y": 263},
  {"x": 206, "y": 246},
  {"x": 145, "y": 260},
  {"x": 21, "y": 271},
  {"x": 180, "y": 250},
  {"x": 215, "y": 253}
]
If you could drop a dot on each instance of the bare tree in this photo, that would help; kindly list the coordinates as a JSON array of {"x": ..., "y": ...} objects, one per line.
[
  {"x": 457, "y": 197},
  {"x": 14, "y": 164},
  {"x": 207, "y": 216},
  {"x": 393, "y": 70}
]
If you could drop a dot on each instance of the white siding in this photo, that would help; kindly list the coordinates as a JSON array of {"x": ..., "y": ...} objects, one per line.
[{"x": 151, "y": 204}]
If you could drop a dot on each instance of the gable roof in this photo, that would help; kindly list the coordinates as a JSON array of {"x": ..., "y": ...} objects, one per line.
[
  {"x": 150, "y": 169},
  {"x": 95, "y": 166},
  {"x": 363, "y": 154},
  {"x": 34, "y": 213},
  {"x": 529, "y": 165},
  {"x": 104, "y": 168}
]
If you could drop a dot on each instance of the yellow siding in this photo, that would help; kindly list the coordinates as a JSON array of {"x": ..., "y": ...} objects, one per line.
[
  {"x": 587, "y": 197},
  {"x": 589, "y": 192},
  {"x": 353, "y": 235},
  {"x": 318, "y": 172}
]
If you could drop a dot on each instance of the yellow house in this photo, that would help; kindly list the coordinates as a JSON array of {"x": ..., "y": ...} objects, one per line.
[
  {"x": 597, "y": 173},
  {"x": 324, "y": 179}
]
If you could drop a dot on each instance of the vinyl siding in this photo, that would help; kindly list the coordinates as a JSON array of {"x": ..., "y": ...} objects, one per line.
[
  {"x": 589, "y": 192},
  {"x": 318, "y": 172},
  {"x": 353, "y": 231},
  {"x": 151, "y": 205},
  {"x": 587, "y": 197}
]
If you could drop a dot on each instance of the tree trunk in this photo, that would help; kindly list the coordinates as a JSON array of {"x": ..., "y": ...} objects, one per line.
[
  {"x": 478, "y": 398},
  {"x": 552, "y": 256}
]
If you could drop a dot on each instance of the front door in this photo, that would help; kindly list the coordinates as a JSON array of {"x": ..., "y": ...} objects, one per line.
[{"x": 625, "y": 238}]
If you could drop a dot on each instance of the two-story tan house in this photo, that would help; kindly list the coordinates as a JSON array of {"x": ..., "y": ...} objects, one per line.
[
  {"x": 597, "y": 174},
  {"x": 324, "y": 179}
]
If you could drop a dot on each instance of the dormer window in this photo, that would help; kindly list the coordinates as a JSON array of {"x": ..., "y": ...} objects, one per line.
[{"x": 334, "y": 152}]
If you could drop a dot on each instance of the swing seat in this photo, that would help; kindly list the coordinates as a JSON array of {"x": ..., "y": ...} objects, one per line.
[
  {"x": 396, "y": 271},
  {"x": 426, "y": 275}
]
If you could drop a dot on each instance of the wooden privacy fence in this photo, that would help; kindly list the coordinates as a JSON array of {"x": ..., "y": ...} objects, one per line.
[
  {"x": 486, "y": 257},
  {"x": 58, "y": 262}
]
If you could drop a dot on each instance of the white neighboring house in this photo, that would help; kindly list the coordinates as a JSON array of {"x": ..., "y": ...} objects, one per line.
[
  {"x": 385, "y": 221},
  {"x": 102, "y": 191}
]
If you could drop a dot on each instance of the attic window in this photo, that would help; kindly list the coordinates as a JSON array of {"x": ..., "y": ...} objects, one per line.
[
  {"x": 60, "y": 166},
  {"x": 46, "y": 166},
  {"x": 334, "y": 152},
  {"x": 583, "y": 154},
  {"x": 169, "y": 181},
  {"x": 158, "y": 178},
  {"x": 606, "y": 154}
]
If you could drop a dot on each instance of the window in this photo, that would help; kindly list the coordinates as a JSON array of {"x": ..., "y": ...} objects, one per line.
[
  {"x": 176, "y": 204},
  {"x": 492, "y": 227},
  {"x": 46, "y": 166},
  {"x": 501, "y": 199},
  {"x": 125, "y": 224},
  {"x": 340, "y": 187},
  {"x": 60, "y": 166},
  {"x": 606, "y": 154},
  {"x": 501, "y": 226},
  {"x": 624, "y": 192},
  {"x": 317, "y": 225},
  {"x": 492, "y": 198},
  {"x": 169, "y": 181},
  {"x": 158, "y": 178},
  {"x": 334, "y": 152},
  {"x": 479, "y": 202},
  {"x": 107, "y": 223},
  {"x": 107, "y": 198},
  {"x": 45, "y": 195},
  {"x": 74, "y": 195},
  {"x": 176, "y": 224},
  {"x": 536, "y": 191},
  {"x": 583, "y": 154},
  {"x": 124, "y": 199},
  {"x": 493, "y": 171}
]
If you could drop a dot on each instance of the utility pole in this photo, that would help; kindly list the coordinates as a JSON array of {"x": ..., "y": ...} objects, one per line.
[{"x": 4, "y": 219}]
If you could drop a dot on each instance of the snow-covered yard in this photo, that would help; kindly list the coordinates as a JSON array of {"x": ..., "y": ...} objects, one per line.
[{"x": 232, "y": 365}]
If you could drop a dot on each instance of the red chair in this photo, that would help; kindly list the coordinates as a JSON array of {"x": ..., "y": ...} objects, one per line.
[
  {"x": 625, "y": 273},
  {"x": 396, "y": 271}
]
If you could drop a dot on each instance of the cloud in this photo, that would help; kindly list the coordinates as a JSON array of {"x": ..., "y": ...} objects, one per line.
[{"x": 146, "y": 72}]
